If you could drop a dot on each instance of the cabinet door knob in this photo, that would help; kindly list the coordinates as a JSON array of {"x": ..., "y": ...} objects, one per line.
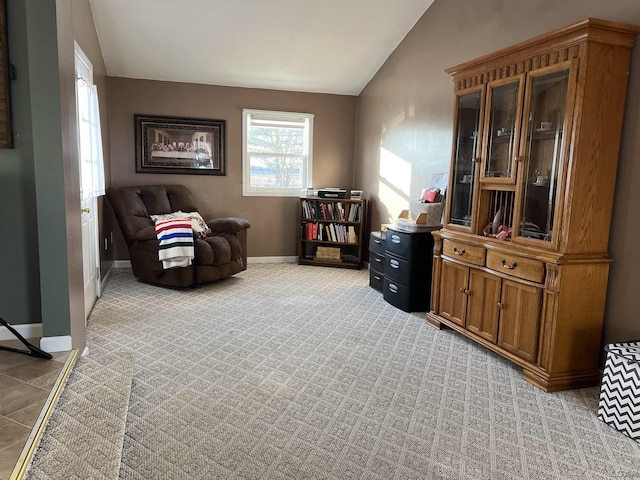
[
  {"x": 510, "y": 267},
  {"x": 475, "y": 160},
  {"x": 518, "y": 158},
  {"x": 464, "y": 290},
  {"x": 501, "y": 305},
  {"x": 458, "y": 252}
]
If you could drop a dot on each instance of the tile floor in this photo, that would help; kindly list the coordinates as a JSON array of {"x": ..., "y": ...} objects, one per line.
[{"x": 25, "y": 384}]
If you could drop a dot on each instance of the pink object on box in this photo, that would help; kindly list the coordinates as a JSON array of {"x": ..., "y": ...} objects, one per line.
[{"x": 429, "y": 196}]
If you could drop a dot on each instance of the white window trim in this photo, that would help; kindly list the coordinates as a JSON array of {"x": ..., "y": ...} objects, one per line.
[
  {"x": 84, "y": 67},
  {"x": 247, "y": 191}
]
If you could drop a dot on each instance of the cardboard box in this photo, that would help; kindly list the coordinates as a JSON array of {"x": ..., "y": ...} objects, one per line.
[
  {"x": 432, "y": 210},
  {"x": 328, "y": 253},
  {"x": 421, "y": 216}
]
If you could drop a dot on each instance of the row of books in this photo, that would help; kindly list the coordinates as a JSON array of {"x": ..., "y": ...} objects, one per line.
[
  {"x": 329, "y": 232},
  {"x": 337, "y": 211}
]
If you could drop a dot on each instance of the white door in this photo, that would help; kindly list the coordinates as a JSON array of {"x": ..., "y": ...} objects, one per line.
[
  {"x": 90, "y": 254},
  {"x": 88, "y": 207}
]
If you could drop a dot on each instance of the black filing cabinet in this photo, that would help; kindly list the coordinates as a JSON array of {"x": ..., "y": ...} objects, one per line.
[
  {"x": 408, "y": 259},
  {"x": 377, "y": 243}
]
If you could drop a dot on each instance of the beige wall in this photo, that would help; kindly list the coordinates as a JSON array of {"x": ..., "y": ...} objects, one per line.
[
  {"x": 404, "y": 119},
  {"x": 273, "y": 220}
]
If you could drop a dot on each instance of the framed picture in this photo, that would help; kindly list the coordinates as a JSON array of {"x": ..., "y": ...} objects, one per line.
[
  {"x": 6, "y": 135},
  {"x": 180, "y": 145}
]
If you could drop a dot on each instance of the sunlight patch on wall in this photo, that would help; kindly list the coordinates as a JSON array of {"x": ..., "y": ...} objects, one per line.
[
  {"x": 395, "y": 182},
  {"x": 394, "y": 203},
  {"x": 395, "y": 171}
]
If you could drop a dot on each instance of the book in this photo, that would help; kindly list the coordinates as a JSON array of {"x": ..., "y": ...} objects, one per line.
[
  {"x": 352, "y": 234},
  {"x": 334, "y": 236},
  {"x": 354, "y": 212}
]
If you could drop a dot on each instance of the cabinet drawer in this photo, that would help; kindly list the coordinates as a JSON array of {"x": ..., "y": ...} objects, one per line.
[
  {"x": 521, "y": 267},
  {"x": 410, "y": 299},
  {"x": 377, "y": 243},
  {"x": 397, "y": 269},
  {"x": 463, "y": 251},
  {"x": 399, "y": 243},
  {"x": 410, "y": 245},
  {"x": 376, "y": 280},
  {"x": 407, "y": 271},
  {"x": 376, "y": 261}
]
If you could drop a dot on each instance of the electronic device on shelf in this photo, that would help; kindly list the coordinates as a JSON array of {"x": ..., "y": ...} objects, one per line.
[{"x": 332, "y": 193}]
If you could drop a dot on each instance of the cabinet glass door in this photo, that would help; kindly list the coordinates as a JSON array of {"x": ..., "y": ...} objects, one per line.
[
  {"x": 502, "y": 130},
  {"x": 465, "y": 150},
  {"x": 546, "y": 100}
]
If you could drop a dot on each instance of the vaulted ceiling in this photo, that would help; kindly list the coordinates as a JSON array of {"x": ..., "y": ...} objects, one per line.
[{"x": 325, "y": 46}]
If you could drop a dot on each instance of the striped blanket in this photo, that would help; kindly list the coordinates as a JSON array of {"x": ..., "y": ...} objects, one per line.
[{"x": 175, "y": 239}]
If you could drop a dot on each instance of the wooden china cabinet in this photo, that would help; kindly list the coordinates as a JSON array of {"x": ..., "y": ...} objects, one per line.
[{"x": 521, "y": 263}]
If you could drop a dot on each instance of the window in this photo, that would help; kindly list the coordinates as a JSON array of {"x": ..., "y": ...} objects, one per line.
[
  {"x": 277, "y": 153},
  {"x": 89, "y": 133}
]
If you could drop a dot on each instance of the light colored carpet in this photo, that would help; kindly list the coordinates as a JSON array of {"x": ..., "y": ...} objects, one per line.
[
  {"x": 289, "y": 371},
  {"x": 85, "y": 433}
]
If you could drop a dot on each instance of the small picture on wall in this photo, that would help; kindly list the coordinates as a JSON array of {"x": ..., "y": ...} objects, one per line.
[
  {"x": 6, "y": 135},
  {"x": 180, "y": 145}
]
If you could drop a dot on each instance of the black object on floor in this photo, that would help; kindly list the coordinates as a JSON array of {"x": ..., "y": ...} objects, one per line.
[{"x": 33, "y": 350}]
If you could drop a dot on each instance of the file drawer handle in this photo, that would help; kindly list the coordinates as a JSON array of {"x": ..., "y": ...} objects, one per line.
[
  {"x": 394, "y": 263},
  {"x": 379, "y": 260},
  {"x": 395, "y": 238},
  {"x": 377, "y": 277},
  {"x": 393, "y": 288},
  {"x": 459, "y": 252},
  {"x": 510, "y": 267},
  {"x": 375, "y": 240}
]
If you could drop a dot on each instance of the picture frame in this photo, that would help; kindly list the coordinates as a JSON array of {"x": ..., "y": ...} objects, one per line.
[
  {"x": 180, "y": 145},
  {"x": 6, "y": 129}
]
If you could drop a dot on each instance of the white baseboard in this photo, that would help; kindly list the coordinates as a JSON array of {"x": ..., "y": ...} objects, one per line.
[
  {"x": 27, "y": 330},
  {"x": 56, "y": 344},
  {"x": 34, "y": 330},
  {"x": 104, "y": 280},
  {"x": 272, "y": 259},
  {"x": 122, "y": 263},
  {"x": 85, "y": 352}
]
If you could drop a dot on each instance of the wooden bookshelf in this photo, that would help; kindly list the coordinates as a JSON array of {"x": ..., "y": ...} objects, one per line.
[{"x": 334, "y": 225}]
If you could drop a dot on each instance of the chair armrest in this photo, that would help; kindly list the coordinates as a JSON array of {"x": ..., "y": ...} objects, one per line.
[
  {"x": 147, "y": 233},
  {"x": 228, "y": 225}
]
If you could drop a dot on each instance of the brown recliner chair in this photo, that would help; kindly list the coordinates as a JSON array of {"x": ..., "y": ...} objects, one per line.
[{"x": 221, "y": 254}]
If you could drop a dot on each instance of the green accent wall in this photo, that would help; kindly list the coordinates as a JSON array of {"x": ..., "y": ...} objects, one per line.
[
  {"x": 19, "y": 265},
  {"x": 34, "y": 284}
]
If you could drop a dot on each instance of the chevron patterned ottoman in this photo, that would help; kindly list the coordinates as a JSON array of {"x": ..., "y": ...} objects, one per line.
[{"x": 619, "y": 405}]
